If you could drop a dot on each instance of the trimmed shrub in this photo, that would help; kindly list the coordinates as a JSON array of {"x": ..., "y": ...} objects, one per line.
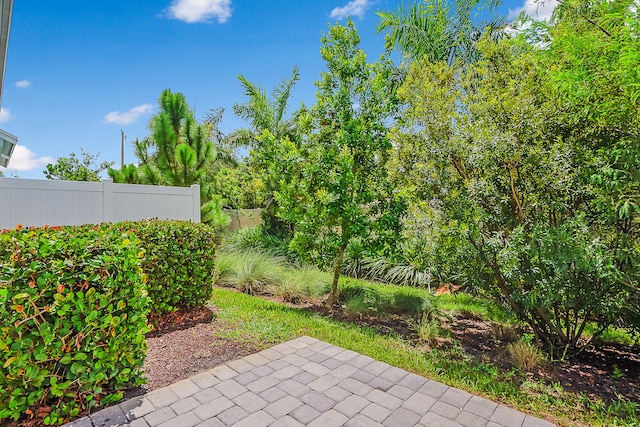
[
  {"x": 73, "y": 310},
  {"x": 179, "y": 262}
]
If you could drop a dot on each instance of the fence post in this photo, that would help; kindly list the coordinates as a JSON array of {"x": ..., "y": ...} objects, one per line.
[
  {"x": 107, "y": 200},
  {"x": 195, "y": 188}
]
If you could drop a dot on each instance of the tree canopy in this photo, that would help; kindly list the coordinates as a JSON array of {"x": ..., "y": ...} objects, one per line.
[
  {"x": 530, "y": 156},
  {"x": 338, "y": 189},
  {"x": 179, "y": 152},
  {"x": 74, "y": 169}
]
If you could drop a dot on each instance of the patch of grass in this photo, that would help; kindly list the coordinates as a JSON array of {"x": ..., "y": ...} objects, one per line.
[
  {"x": 463, "y": 303},
  {"x": 311, "y": 282},
  {"x": 614, "y": 335},
  {"x": 504, "y": 332},
  {"x": 428, "y": 330},
  {"x": 525, "y": 355},
  {"x": 358, "y": 304},
  {"x": 250, "y": 272},
  {"x": 409, "y": 300},
  {"x": 265, "y": 323}
]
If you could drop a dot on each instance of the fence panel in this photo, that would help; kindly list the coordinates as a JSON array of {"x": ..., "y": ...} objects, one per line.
[{"x": 52, "y": 202}]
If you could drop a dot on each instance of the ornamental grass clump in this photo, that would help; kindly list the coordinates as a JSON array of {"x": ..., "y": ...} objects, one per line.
[{"x": 251, "y": 272}]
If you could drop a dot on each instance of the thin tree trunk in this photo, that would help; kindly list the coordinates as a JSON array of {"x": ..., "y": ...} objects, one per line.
[{"x": 333, "y": 295}]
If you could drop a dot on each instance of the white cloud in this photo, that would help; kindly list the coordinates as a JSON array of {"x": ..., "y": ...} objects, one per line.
[
  {"x": 127, "y": 117},
  {"x": 23, "y": 83},
  {"x": 353, "y": 8},
  {"x": 540, "y": 10},
  {"x": 5, "y": 115},
  {"x": 24, "y": 159},
  {"x": 200, "y": 10}
]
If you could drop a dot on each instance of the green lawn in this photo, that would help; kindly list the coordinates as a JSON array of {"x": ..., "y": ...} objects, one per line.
[{"x": 265, "y": 323}]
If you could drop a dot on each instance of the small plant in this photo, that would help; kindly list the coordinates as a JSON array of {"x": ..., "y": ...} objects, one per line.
[
  {"x": 224, "y": 266},
  {"x": 290, "y": 291},
  {"x": 429, "y": 330},
  {"x": 525, "y": 355},
  {"x": 358, "y": 304},
  {"x": 617, "y": 373},
  {"x": 623, "y": 408},
  {"x": 304, "y": 284}
]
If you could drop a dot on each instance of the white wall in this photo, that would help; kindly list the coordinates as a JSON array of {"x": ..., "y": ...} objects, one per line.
[{"x": 52, "y": 202}]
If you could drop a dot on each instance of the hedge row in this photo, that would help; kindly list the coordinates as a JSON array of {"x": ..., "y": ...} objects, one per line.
[
  {"x": 74, "y": 303},
  {"x": 179, "y": 262}
]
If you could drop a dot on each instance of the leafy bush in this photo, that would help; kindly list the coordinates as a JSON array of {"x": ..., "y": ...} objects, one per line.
[
  {"x": 383, "y": 269},
  {"x": 179, "y": 262},
  {"x": 534, "y": 199},
  {"x": 74, "y": 307}
]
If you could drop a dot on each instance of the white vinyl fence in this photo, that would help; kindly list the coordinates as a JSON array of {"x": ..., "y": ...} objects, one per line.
[{"x": 49, "y": 202}]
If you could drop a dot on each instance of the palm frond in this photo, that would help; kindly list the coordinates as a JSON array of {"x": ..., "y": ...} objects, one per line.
[{"x": 282, "y": 93}]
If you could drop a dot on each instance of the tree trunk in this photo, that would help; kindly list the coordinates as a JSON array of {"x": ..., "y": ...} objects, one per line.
[{"x": 333, "y": 295}]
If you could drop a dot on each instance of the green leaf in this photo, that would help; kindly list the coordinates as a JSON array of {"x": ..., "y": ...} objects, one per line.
[
  {"x": 21, "y": 296},
  {"x": 9, "y": 361}
]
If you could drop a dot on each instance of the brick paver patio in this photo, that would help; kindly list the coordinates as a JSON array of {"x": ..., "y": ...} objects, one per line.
[{"x": 307, "y": 382}]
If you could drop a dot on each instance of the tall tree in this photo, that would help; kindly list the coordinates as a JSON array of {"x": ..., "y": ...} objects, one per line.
[
  {"x": 593, "y": 62},
  {"x": 74, "y": 169},
  {"x": 440, "y": 30},
  {"x": 268, "y": 123},
  {"x": 180, "y": 152},
  {"x": 531, "y": 156},
  {"x": 339, "y": 189}
]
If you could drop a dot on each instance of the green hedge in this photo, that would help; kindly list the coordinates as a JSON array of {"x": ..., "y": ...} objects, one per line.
[
  {"x": 74, "y": 303},
  {"x": 73, "y": 310},
  {"x": 179, "y": 262}
]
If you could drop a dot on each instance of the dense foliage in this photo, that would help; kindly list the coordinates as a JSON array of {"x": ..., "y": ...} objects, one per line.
[
  {"x": 440, "y": 30},
  {"x": 532, "y": 181},
  {"x": 179, "y": 152},
  {"x": 74, "y": 169},
  {"x": 74, "y": 303},
  {"x": 179, "y": 262},
  {"x": 268, "y": 125},
  {"x": 338, "y": 189},
  {"x": 73, "y": 308}
]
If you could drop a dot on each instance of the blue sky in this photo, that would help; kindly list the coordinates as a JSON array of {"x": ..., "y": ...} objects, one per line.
[{"x": 80, "y": 71}]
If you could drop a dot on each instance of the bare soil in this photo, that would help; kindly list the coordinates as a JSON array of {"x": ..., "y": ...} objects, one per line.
[{"x": 184, "y": 343}]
